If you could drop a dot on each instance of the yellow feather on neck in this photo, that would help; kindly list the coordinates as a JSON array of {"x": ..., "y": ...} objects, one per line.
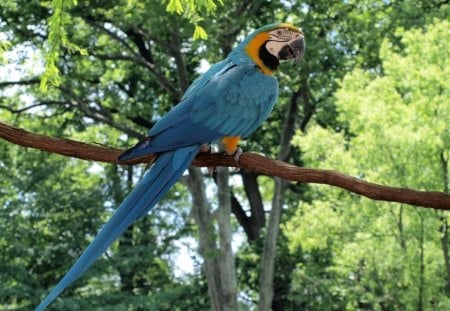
[{"x": 252, "y": 50}]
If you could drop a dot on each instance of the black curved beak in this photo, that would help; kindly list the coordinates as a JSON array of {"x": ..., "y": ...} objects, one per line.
[{"x": 294, "y": 50}]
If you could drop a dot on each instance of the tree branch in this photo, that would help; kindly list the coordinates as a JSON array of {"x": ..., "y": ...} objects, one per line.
[
  {"x": 248, "y": 161},
  {"x": 97, "y": 113},
  {"x": 23, "y": 109},
  {"x": 19, "y": 82},
  {"x": 257, "y": 219},
  {"x": 135, "y": 57}
]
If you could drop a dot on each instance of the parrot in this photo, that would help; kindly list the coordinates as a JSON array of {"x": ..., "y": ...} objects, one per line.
[{"x": 223, "y": 105}]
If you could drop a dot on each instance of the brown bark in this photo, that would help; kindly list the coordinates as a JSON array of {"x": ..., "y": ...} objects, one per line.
[
  {"x": 444, "y": 223},
  {"x": 420, "y": 298},
  {"x": 255, "y": 200},
  {"x": 253, "y": 223},
  {"x": 266, "y": 281},
  {"x": 226, "y": 267},
  {"x": 445, "y": 251},
  {"x": 244, "y": 220},
  {"x": 201, "y": 210},
  {"x": 248, "y": 161},
  {"x": 266, "y": 286}
]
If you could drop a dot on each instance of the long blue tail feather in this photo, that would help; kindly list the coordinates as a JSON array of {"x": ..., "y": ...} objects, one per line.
[{"x": 167, "y": 169}]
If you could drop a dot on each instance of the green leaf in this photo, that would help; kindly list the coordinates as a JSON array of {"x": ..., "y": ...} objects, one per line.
[
  {"x": 200, "y": 33},
  {"x": 175, "y": 6},
  {"x": 4, "y": 46},
  {"x": 57, "y": 38}
]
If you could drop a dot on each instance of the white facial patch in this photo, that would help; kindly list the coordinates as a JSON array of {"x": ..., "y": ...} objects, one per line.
[
  {"x": 279, "y": 38},
  {"x": 274, "y": 47}
]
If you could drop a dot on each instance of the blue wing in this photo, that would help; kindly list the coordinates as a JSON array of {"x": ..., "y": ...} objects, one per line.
[{"x": 229, "y": 100}]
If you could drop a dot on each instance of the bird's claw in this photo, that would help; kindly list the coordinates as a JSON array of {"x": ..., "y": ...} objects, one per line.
[
  {"x": 207, "y": 148},
  {"x": 236, "y": 154}
]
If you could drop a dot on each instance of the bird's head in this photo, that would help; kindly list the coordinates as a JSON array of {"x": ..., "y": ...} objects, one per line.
[{"x": 272, "y": 44}]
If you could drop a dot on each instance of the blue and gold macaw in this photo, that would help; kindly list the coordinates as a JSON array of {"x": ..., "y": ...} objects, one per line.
[{"x": 226, "y": 103}]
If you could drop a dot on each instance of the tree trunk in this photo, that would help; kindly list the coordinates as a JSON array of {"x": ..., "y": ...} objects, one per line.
[
  {"x": 218, "y": 261},
  {"x": 444, "y": 245},
  {"x": 207, "y": 237},
  {"x": 270, "y": 246},
  {"x": 400, "y": 229},
  {"x": 252, "y": 224},
  {"x": 226, "y": 266},
  {"x": 444, "y": 225},
  {"x": 422, "y": 265},
  {"x": 269, "y": 253},
  {"x": 251, "y": 188},
  {"x": 126, "y": 240}
]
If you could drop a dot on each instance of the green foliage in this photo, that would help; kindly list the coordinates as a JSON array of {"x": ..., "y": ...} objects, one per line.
[
  {"x": 40, "y": 193},
  {"x": 404, "y": 113},
  {"x": 397, "y": 129},
  {"x": 60, "y": 20},
  {"x": 57, "y": 38},
  {"x": 4, "y": 46},
  {"x": 193, "y": 10}
]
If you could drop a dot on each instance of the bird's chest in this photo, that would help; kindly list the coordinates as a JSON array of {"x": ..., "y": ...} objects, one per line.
[
  {"x": 253, "y": 89},
  {"x": 235, "y": 102}
]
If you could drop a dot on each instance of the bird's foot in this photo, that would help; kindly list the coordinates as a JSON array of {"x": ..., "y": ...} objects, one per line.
[
  {"x": 207, "y": 148},
  {"x": 235, "y": 153}
]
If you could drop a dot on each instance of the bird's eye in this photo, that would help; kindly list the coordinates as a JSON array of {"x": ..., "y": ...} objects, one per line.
[{"x": 279, "y": 32}]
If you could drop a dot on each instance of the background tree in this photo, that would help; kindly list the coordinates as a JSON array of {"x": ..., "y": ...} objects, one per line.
[{"x": 392, "y": 257}]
